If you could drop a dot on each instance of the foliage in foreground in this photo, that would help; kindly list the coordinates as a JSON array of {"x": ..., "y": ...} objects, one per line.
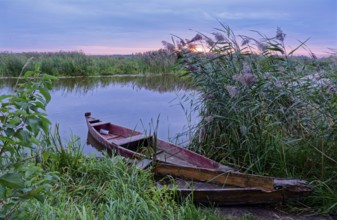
[
  {"x": 79, "y": 64},
  {"x": 22, "y": 126},
  {"x": 264, "y": 110}
]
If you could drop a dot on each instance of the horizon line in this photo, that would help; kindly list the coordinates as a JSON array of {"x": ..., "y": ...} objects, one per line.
[{"x": 301, "y": 52}]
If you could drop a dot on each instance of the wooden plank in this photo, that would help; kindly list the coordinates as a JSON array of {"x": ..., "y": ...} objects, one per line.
[
  {"x": 214, "y": 176},
  {"x": 193, "y": 158},
  {"x": 143, "y": 164},
  {"x": 131, "y": 139},
  {"x": 293, "y": 186},
  {"x": 112, "y": 136},
  {"x": 99, "y": 123},
  {"x": 93, "y": 120}
]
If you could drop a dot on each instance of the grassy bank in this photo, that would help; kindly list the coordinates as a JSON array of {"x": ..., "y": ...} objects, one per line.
[
  {"x": 88, "y": 188},
  {"x": 264, "y": 110},
  {"x": 79, "y": 64}
]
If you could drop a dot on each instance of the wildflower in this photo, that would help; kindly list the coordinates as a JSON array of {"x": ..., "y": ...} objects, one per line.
[
  {"x": 196, "y": 38},
  {"x": 202, "y": 134},
  {"x": 246, "y": 68},
  {"x": 219, "y": 37},
  {"x": 210, "y": 42},
  {"x": 192, "y": 47},
  {"x": 280, "y": 35},
  {"x": 243, "y": 130},
  {"x": 192, "y": 68},
  {"x": 322, "y": 73},
  {"x": 211, "y": 55},
  {"x": 233, "y": 91},
  {"x": 168, "y": 46},
  {"x": 208, "y": 96},
  {"x": 299, "y": 69},
  {"x": 278, "y": 84},
  {"x": 246, "y": 79},
  {"x": 209, "y": 119},
  {"x": 179, "y": 45},
  {"x": 245, "y": 42},
  {"x": 261, "y": 46},
  {"x": 313, "y": 56},
  {"x": 267, "y": 75}
]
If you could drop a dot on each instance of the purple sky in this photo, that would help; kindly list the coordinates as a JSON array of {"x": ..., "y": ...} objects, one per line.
[{"x": 125, "y": 27}]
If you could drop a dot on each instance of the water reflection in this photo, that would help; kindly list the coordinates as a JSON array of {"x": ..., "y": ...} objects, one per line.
[
  {"x": 131, "y": 101},
  {"x": 156, "y": 82},
  {"x": 99, "y": 147}
]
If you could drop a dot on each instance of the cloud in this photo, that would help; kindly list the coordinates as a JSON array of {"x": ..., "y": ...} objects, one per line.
[
  {"x": 137, "y": 24},
  {"x": 252, "y": 15}
]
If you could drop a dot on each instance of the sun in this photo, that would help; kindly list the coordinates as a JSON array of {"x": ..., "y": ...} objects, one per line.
[{"x": 197, "y": 49}]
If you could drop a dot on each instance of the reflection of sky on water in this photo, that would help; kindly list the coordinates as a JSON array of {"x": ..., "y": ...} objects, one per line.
[
  {"x": 121, "y": 104},
  {"x": 134, "y": 102}
]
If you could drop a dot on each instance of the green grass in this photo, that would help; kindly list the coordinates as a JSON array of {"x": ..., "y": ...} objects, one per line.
[
  {"x": 79, "y": 64},
  {"x": 106, "y": 188}
]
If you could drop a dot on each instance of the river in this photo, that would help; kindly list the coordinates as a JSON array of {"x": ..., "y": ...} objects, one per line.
[{"x": 137, "y": 102}]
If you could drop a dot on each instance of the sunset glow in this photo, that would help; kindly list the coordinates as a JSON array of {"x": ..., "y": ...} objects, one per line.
[{"x": 107, "y": 27}]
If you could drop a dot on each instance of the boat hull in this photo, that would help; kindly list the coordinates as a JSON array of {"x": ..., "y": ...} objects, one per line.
[{"x": 135, "y": 145}]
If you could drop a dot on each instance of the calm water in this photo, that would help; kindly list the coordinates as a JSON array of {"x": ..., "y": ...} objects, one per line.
[{"x": 132, "y": 101}]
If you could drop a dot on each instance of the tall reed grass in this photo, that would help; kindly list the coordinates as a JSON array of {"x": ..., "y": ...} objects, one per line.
[
  {"x": 79, "y": 64},
  {"x": 265, "y": 110}
]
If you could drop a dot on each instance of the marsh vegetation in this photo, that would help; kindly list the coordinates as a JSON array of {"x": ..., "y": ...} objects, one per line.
[
  {"x": 78, "y": 64},
  {"x": 264, "y": 110}
]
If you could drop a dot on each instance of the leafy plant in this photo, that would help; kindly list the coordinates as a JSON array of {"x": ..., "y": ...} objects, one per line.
[{"x": 22, "y": 124}]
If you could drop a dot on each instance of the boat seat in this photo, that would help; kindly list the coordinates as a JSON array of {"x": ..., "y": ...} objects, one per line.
[
  {"x": 143, "y": 164},
  {"x": 112, "y": 136},
  {"x": 99, "y": 123},
  {"x": 93, "y": 120},
  {"x": 131, "y": 139}
]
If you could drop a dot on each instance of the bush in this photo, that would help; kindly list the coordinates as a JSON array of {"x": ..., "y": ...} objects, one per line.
[{"x": 22, "y": 126}]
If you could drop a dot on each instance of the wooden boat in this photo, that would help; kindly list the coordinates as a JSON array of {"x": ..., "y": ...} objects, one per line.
[
  {"x": 193, "y": 174},
  {"x": 135, "y": 145},
  {"x": 229, "y": 188}
]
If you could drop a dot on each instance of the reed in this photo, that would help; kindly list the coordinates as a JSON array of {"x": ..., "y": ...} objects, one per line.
[
  {"x": 264, "y": 110},
  {"x": 79, "y": 64}
]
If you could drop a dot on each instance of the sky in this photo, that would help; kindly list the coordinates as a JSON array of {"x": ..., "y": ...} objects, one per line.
[{"x": 126, "y": 27}]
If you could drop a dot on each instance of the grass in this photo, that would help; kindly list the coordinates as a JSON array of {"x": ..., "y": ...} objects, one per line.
[
  {"x": 264, "y": 110},
  {"x": 106, "y": 188},
  {"x": 79, "y": 64}
]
